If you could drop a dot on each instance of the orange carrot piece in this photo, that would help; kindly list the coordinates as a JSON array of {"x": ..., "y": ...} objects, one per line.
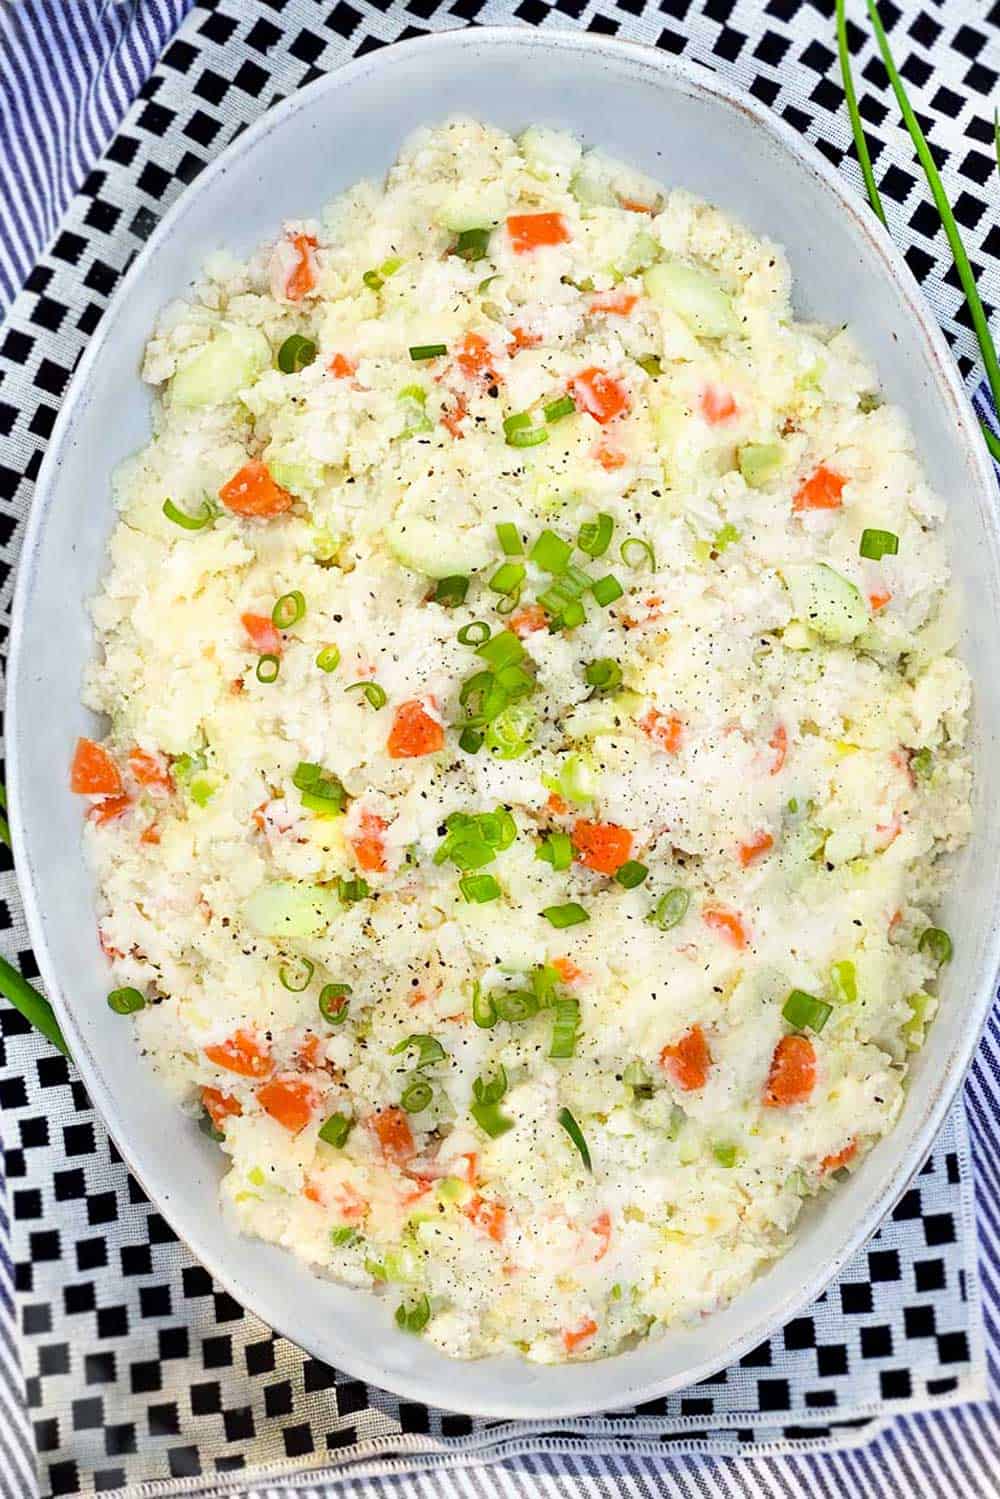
[
  {"x": 473, "y": 356},
  {"x": 878, "y": 598},
  {"x": 688, "y": 1060},
  {"x": 392, "y": 1130},
  {"x": 840, "y": 1157},
  {"x": 821, "y": 491},
  {"x": 602, "y": 846},
  {"x": 727, "y": 924},
  {"x": 107, "y": 810},
  {"x": 522, "y": 339},
  {"x": 574, "y": 1337},
  {"x": 289, "y": 1100},
  {"x": 717, "y": 405},
  {"x": 599, "y": 394},
  {"x": 755, "y": 848},
  {"x": 150, "y": 770},
  {"x": 453, "y": 416},
  {"x": 567, "y": 970},
  {"x": 262, "y": 634},
  {"x": 369, "y": 850},
  {"x": 241, "y": 1053},
  {"x": 302, "y": 277},
  {"x": 556, "y": 805},
  {"x": 779, "y": 743},
  {"x": 308, "y": 1050},
  {"x": 220, "y": 1106},
  {"x": 601, "y": 1228},
  {"x": 609, "y": 457},
  {"x": 527, "y": 620},
  {"x": 635, "y": 205},
  {"x": 616, "y": 301},
  {"x": 94, "y": 772},
  {"x": 793, "y": 1072},
  {"x": 665, "y": 729},
  {"x": 414, "y": 732},
  {"x": 342, "y": 366},
  {"x": 489, "y": 1217},
  {"x": 252, "y": 491},
  {"x": 533, "y": 231}
]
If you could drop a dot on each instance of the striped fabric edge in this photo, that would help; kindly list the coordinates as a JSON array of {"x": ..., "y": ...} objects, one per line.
[
  {"x": 75, "y": 69},
  {"x": 17, "y": 1444}
]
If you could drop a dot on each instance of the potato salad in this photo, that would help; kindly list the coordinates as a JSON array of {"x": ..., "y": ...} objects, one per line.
[{"x": 530, "y": 745}]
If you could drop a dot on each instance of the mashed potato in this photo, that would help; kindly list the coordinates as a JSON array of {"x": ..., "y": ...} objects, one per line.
[{"x": 534, "y": 742}]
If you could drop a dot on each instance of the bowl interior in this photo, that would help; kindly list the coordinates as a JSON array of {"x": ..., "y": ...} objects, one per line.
[{"x": 687, "y": 131}]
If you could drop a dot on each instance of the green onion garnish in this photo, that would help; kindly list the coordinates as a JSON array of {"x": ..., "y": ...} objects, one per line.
[
  {"x": 671, "y": 909},
  {"x": 516, "y": 1005},
  {"x": 571, "y": 618},
  {"x": 485, "y": 1106},
  {"x": 415, "y": 1316},
  {"x": 336, "y": 1130},
  {"x": 484, "y": 1011},
  {"x": 937, "y": 945},
  {"x": 526, "y": 437},
  {"x": 328, "y": 658},
  {"x": 516, "y": 682},
  {"x": 324, "y": 790},
  {"x": 479, "y": 888},
  {"x": 631, "y": 874},
  {"x": 471, "y": 741},
  {"x": 500, "y": 650},
  {"x": 482, "y": 697},
  {"x": 451, "y": 591},
  {"x": 492, "y": 1091},
  {"x": 557, "y": 850},
  {"x": 26, "y": 998},
  {"x": 126, "y": 1001},
  {"x": 429, "y": 1048},
  {"x": 555, "y": 410},
  {"x": 508, "y": 578},
  {"x": 289, "y": 609},
  {"x": 376, "y": 695},
  {"x": 416, "y": 1095},
  {"x": 476, "y": 633},
  {"x": 878, "y": 544},
  {"x": 650, "y": 363},
  {"x": 268, "y": 667},
  {"x": 344, "y": 1237},
  {"x": 427, "y": 351},
  {"x": 509, "y": 734},
  {"x": 205, "y": 516},
  {"x": 922, "y": 763},
  {"x": 606, "y": 590},
  {"x": 566, "y": 1024},
  {"x": 351, "y": 891},
  {"x": 373, "y": 280},
  {"x": 803, "y": 1010},
  {"x": 296, "y": 978},
  {"x": 725, "y": 1154},
  {"x": 860, "y": 140},
  {"x": 844, "y": 982},
  {"x": 544, "y": 982},
  {"x": 472, "y": 244},
  {"x": 603, "y": 674},
  {"x": 509, "y": 538},
  {"x": 575, "y": 1133},
  {"x": 636, "y": 553},
  {"x": 594, "y": 536},
  {"x": 295, "y": 353},
  {"x": 333, "y": 1003},
  {"x": 551, "y": 553}
]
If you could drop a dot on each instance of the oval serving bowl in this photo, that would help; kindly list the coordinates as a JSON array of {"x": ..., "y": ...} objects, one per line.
[{"x": 687, "y": 129}]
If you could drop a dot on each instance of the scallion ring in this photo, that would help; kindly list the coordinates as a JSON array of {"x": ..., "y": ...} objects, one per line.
[
  {"x": 635, "y": 553},
  {"x": 429, "y": 1049},
  {"x": 294, "y": 978},
  {"x": 484, "y": 1011},
  {"x": 328, "y": 658},
  {"x": 416, "y": 1095},
  {"x": 295, "y": 353},
  {"x": 376, "y": 695},
  {"x": 288, "y": 610},
  {"x": 333, "y": 1003},
  {"x": 671, "y": 909},
  {"x": 476, "y": 633},
  {"x": 268, "y": 667},
  {"x": 594, "y": 536},
  {"x": 187, "y": 522},
  {"x": 415, "y": 1317},
  {"x": 126, "y": 1001},
  {"x": 451, "y": 591},
  {"x": 516, "y": 1005},
  {"x": 605, "y": 674},
  {"x": 936, "y": 945}
]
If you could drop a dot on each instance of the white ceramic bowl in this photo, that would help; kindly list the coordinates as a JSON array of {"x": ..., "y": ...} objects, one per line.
[{"x": 686, "y": 128}]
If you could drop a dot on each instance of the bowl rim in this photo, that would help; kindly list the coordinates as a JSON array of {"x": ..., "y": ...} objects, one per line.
[{"x": 699, "y": 82}]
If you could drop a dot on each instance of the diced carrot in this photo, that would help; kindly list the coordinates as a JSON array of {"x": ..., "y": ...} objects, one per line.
[
  {"x": 574, "y": 1337},
  {"x": 688, "y": 1060},
  {"x": 453, "y": 416},
  {"x": 220, "y": 1106},
  {"x": 522, "y": 339},
  {"x": 150, "y": 834},
  {"x": 252, "y": 491},
  {"x": 599, "y": 393},
  {"x": 94, "y": 772},
  {"x": 878, "y": 598},
  {"x": 241, "y": 1053},
  {"x": 665, "y": 729},
  {"x": 107, "y": 810},
  {"x": 821, "y": 491},
  {"x": 392, "y": 1130},
  {"x": 840, "y": 1157},
  {"x": 601, "y": 1228},
  {"x": 342, "y": 366},
  {"x": 107, "y": 948},
  {"x": 556, "y": 805},
  {"x": 609, "y": 457},
  {"x": 473, "y": 356},
  {"x": 602, "y": 846},
  {"x": 532, "y": 231},
  {"x": 259, "y": 816},
  {"x": 236, "y": 686},
  {"x": 369, "y": 850},
  {"x": 471, "y": 1159},
  {"x": 886, "y": 833},
  {"x": 313, "y": 1193},
  {"x": 308, "y": 1050},
  {"x": 150, "y": 770},
  {"x": 635, "y": 205},
  {"x": 302, "y": 277},
  {"x": 414, "y": 732},
  {"x": 567, "y": 970},
  {"x": 262, "y": 634},
  {"x": 489, "y": 1217},
  {"x": 617, "y": 301},
  {"x": 349, "y": 1202},
  {"x": 527, "y": 620},
  {"x": 289, "y": 1100},
  {"x": 727, "y": 924},
  {"x": 717, "y": 405},
  {"x": 793, "y": 1072},
  {"x": 755, "y": 848},
  {"x": 779, "y": 743}
]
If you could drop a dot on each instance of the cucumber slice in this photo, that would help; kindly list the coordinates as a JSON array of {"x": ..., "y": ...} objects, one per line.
[
  {"x": 760, "y": 461},
  {"x": 233, "y": 359},
  {"x": 291, "y": 908},
  {"x": 436, "y": 550},
  {"x": 473, "y": 207},
  {"x": 825, "y": 601},
  {"x": 695, "y": 295}
]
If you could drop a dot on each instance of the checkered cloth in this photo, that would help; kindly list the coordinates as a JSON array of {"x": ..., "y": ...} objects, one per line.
[{"x": 132, "y": 1366}]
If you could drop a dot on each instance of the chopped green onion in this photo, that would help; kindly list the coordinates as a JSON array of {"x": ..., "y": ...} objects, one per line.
[
  {"x": 635, "y": 553},
  {"x": 344, "y": 1237},
  {"x": 483, "y": 698},
  {"x": 510, "y": 732},
  {"x": 555, "y": 410},
  {"x": 472, "y": 244},
  {"x": 500, "y": 650},
  {"x": 476, "y": 633},
  {"x": 544, "y": 981},
  {"x": 479, "y": 888},
  {"x": 631, "y": 874},
  {"x": 604, "y": 674},
  {"x": 484, "y": 1011},
  {"x": 351, "y": 891},
  {"x": 650, "y": 363},
  {"x": 333, "y": 1003},
  {"x": 268, "y": 667},
  {"x": 320, "y": 789},
  {"x": 126, "y": 1001},
  {"x": 860, "y": 141},
  {"x": 289, "y": 609},
  {"x": 429, "y": 1048},
  {"x": 936, "y": 945},
  {"x": 373, "y": 280},
  {"x": 451, "y": 591},
  {"x": 427, "y": 351},
  {"x": 471, "y": 741},
  {"x": 557, "y": 850},
  {"x": 877, "y": 544},
  {"x": 415, "y": 1317},
  {"x": 493, "y": 1090},
  {"x": 725, "y": 1154},
  {"x": 575, "y": 1133},
  {"x": 529, "y": 437},
  {"x": 296, "y": 980},
  {"x": 671, "y": 909},
  {"x": 508, "y": 578},
  {"x": 844, "y": 982},
  {"x": 803, "y": 1010},
  {"x": 516, "y": 1005},
  {"x": 922, "y": 763},
  {"x": 336, "y": 1130},
  {"x": 594, "y": 536},
  {"x": 572, "y": 616},
  {"x": 205, "y": 516},
  {"x": 490, "y": 1119},
  {"x": 328, "y": 658},
  {"x": 516, "y": 682},
  {"x": 416, "y": 1095},
  {"x": 510, "y": 539},
  {"x": 606, "y": 590},
  {"x": 566, "y": 1024},
  {"x": 550, "y": 552},
  {"x": 295, "y": 353},
  {"x": 376, "y": 695},
  {"x": 869, "y": 401}
]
